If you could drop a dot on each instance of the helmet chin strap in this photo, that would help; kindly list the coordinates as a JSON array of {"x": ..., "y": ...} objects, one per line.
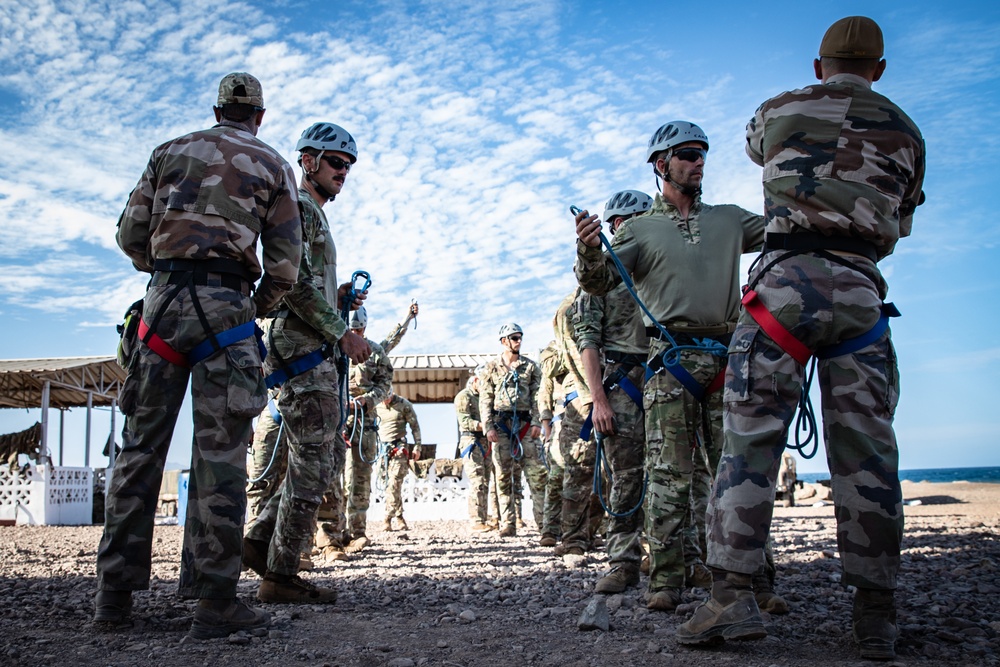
[
  {"x": 687, "y": 190},
  {"x": 320, "y": 190}
]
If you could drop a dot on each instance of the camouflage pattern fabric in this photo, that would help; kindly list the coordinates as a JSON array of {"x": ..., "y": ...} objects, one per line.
[
  {"x": 552, "y": 512},
  {"x": 358, "y": 473},
  {"x": 626, "y": 451},
  {"x": 399, "y": 466},
  {"x": 394, "y": 416},
  {"x": 211, "y": 194},
  {"x": 270, "y": 460},
  {"x": 480, "y": 467},
  {"x": 206, "y": 195},
  {"x": 227, "y": 391},
  {"x": 674, "y": 435},
  {"x": 839, "y": 159},
  {"x": 695, "y": 540},
  {"x": 504, "y": 390},
  {"x": 820, "y": 303},
  {"x": 309, "y": 403},
  {"x": 536, "y": 476},
  {"x": 315, "y": 457}
]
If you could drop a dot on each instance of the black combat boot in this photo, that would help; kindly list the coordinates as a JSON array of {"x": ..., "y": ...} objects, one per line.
[{"x": 874, "y": 623}]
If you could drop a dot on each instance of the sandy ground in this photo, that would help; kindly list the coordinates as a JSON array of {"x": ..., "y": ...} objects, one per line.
[{"x": 439, "y": 595}]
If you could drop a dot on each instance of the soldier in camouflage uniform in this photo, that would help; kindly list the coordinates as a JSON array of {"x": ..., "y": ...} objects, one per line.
[
  {"x": 303, "y": 337},
  {"x": 578, "y": 455},
  {"x": 610, "y": 329},
  {"x": 536, "y": 475},
  {"x": 508, "y": 405},
  {"x": 843, "y": 171},
  {"x": 684, "y": 258},
  {"x": 270, "y": 458},
  {"x": 395, "y": 413},
  {"x": 550, "y": 410},
  {"x": 475, "y": 449},
  {"x": 371, "y": 383},
  {"x": 193, "y": 221}
]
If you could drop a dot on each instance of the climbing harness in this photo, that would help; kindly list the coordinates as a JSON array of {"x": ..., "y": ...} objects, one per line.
[
  {"x": 511, "y": 387},
  {"x": 617, "y": 380},
  {"x": 273, "y": 409},
  {"x": 601, "y": 464},
  {"x": 343, "y": 361},
  {"x": 189, "y": 273},
  {"x": 806, "y": 431}
]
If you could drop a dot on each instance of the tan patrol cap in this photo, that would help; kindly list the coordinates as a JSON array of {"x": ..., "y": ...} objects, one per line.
[
  {"x": 852, "y": 37},
  {"x": 240, "y": 88}
]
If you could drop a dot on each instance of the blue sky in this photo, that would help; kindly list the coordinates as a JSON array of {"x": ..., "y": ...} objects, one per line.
[{"x": 477, "y": 125}]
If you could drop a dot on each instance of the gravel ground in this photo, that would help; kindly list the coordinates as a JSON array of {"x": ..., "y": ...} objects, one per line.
[{"x": 439, "y": 595}]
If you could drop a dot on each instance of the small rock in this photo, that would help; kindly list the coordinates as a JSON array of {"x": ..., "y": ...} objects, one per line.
[
  {"x": 239, "y": 638},
  {"x": 442, "y": 643},
  {"x": 402, "y": 662},
  {"x": 468, "y": 616},
  {"x": 595, "y": 615}
]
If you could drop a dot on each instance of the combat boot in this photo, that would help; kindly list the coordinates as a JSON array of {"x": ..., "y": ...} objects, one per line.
[
  {"x": 874, "y": 623},
  {"x": 731, "y": 613},
  {"x": 305, "y": 562},
  {"x": 698, "y": 575},
  {"x": 357, "y": 544},
  {"x": 548, "y": 540},
  {"x": 387, "y": 525},
  {"x": 402, "y": 523},
  {"x": 618, "y": 579},
  {"x": 767, "y": 599},
  {"x": 255, "y": 555},
  {"x": 221, "y": 618},
  {"x": 479, "y": 527},
  {"x": 665, "y": 599},
  {"x": 112, "y": 607},
  {"x": 508, "y": 531},
  {"x": 293, "y": 589}
]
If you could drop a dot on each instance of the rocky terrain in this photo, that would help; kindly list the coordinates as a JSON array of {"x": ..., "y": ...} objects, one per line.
[{"x": 439, "y": 595}]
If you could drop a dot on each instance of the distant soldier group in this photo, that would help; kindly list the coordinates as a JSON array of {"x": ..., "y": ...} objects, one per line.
[{"x": 660, "y": 411}]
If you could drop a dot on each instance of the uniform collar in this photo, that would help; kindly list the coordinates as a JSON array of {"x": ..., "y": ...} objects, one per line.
[{"x": 850, "y": 79}]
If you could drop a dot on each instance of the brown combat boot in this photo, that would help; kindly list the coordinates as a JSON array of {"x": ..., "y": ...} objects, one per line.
[
  {"x": 387, "y": 525},
  {"x": 479, "y": 527},
  {"x": 767, "y": 599},
  {"x": 697, "y": 575},
  {"x": 548, "y": 540},
  {"x": 292, "y": 589},
  {"x": 255, "y": 555},
  {"x": 357, "y": 544},
  {"x": 665, "y": 599},
  {"x": 112, "y": 607},
  {"x": 621, "y": 576},
  {"x": 508, "y": 531},
  {"x": 402, "y": 523},
  {"x": 731, "y": 613},
  {"x": 221, "y": 618},
  {"x": 874, "y": 623}
]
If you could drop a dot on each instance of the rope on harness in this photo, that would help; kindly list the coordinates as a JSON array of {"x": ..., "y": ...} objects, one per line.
[
  {"x": 806, "y": 431},
  {"x": 515, "y": 432},
  {"x": 274, "y": 452},
  {"x": 601, "y": 464},
  {"x": 618, "y": 379},
  {"x": 343, "y": 361}
]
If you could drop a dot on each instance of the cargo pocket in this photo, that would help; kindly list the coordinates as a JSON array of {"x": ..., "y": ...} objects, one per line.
[
  {"x": 246, "y": 394},
  {"x": 130, "y": 389},
  {"x": 739, "y": 383}
]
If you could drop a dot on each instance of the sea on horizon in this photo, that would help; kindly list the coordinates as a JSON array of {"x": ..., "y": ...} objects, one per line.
[{"x": 989, "y": 475}]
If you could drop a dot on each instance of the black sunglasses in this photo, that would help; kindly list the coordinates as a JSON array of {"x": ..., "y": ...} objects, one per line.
[
  {"x": 337, "y": 163},
  {"x": 514, "y": 338},
  {"x": 691, "y": 154}
]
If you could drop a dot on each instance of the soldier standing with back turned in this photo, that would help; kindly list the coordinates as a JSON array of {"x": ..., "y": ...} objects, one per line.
[
  {"x": 843, "y": 171},
  {"x": 193, "y": 222}
]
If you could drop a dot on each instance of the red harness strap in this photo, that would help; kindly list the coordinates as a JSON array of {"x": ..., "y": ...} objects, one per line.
[
  {"x": 773, "y": 328},
  {"x": 158, "y": 345}
]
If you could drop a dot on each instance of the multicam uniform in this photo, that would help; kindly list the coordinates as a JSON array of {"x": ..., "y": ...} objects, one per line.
[
  {"x": 370, "y": 382},
  {"x": 270, "y": 457},
  {"x": 309, "y": 402},
  {"x": 507, "y": 403},
  {"x": 687, "y": 274},
  {"x": 843, "y": 161},
  {"x": 578, "y": 455},
  {"x": 393, "y": 419},
  {"x": 193, "y": 221},
  {"x": 550, "y": 408},
  {"x": 476, "y": 449},
  {"x": 613, "y": 326}
]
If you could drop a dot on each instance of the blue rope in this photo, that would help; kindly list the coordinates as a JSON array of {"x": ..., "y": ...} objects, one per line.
[
  {"x": 516, "y": 450},
  {"x": 600, "y": 463}
]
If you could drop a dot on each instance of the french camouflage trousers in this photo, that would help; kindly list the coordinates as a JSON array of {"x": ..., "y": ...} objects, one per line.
[
  {"x": 820, "y": 303},
  {"x": 552, "y": 512},
  {"x": 625, "y": 453},
  {"x": 358, "y": 474},
  {"x": 399, "y": 465},
  {"x": 536, "y": 475},
  {"x": 315, "y": 458},
  {"x": 227, "y": 391},
  {"x": 268, "y": 464},
  {"x": 679, "y": 428},
  {"x": 578, "y": 457},
  {"x": 480, "y": 471}
]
